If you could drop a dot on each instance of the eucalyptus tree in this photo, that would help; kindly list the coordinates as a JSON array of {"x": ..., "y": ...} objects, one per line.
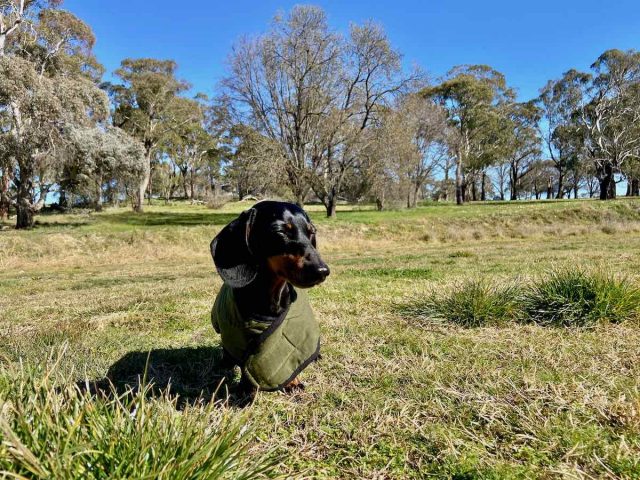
[
  {"x": 47, "y": 88},
  {"x": 523, "y": 143},
  {"x": 146, "y": 105},
  {"x": 595, "y": 117},
  {"x": 474, "y": 97},
  {"x": 610, "y": 116},
  {"x": 562, "y": 137},
  {"x": 254, "y": 163},
  {"x": 187, "y": 142},
  {"x": 98, "y": 155}
]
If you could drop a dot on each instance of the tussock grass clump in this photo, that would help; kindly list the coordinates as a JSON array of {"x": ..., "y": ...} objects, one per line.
[
  {"x": 53, "y": 429},
  {"x": 475, "y": 303},
  {"x": 579, "y": 298},
  {"x": 561, "y": 298}
]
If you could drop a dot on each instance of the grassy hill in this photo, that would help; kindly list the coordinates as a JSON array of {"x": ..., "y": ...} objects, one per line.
[{"x": 396, "y": 395}]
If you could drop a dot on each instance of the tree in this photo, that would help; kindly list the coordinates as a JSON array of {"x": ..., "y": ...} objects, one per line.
[
  {"x": 559, "y": 101},
  {"x": 315, "y": 93},
  {"x": 473, "y": 97},
  {"x": 522, "y": 142},
  {"x": 187, "y": 142},
  {"x": 595, "y": 117},
  {"x": 367, "y": 78},
  {"x": 145, "y": 107},
  {"x": 256, "y": 163},
  {"x": 610, "y": 116},
  {"x": 413, "y": 144},
  {"x": 45, "y": 91},
  {"x": 98, "y": 155}
]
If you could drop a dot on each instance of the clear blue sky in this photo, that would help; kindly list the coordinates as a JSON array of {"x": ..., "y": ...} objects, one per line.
[{"x": 530, "y": 42}]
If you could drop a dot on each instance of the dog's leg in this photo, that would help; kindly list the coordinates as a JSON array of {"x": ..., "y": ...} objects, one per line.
[
  {"x": 227, "y": 362},
  {"x": 293, "y": 386}
]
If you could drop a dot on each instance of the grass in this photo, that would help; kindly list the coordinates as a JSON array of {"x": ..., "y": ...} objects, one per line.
[
  {"x": 391, "y": 397},
  {"x": 476, "y": 303},
  {"x": 570, "y": 297},
  {"x": 52, "y": 429},
  {"x": 575, "y": 297}
]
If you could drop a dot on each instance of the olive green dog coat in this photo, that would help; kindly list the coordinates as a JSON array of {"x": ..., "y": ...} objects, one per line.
[{"x": 272, "y": 352}]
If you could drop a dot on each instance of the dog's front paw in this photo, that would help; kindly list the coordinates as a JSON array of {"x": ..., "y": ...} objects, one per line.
[{"x": 294, "y": 386}]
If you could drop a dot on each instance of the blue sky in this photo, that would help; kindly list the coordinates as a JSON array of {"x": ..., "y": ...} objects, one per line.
[{"x": 530, "y": 42}]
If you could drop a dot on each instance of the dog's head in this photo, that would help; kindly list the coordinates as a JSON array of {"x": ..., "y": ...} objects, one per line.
[{"x": 275, "y": 235}]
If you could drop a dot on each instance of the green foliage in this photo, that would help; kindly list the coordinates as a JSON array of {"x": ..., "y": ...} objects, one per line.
[
  {"x": 53, "y": 429},
  {"x": 578, "y": 298},
  {"x": 475, "y": 303}
]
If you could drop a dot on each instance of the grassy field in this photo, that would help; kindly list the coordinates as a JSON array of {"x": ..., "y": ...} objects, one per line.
[{"x": 395, "y": 395}]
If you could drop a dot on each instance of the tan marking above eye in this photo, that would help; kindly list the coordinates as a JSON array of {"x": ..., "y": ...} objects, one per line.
[{"x": 288, "y": 226}]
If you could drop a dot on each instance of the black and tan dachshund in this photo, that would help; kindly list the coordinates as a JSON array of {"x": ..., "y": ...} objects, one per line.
[{"x": 266, "y": 257}]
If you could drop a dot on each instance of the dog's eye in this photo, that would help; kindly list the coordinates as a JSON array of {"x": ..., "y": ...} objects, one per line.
[{"x": 286, "y": 230}]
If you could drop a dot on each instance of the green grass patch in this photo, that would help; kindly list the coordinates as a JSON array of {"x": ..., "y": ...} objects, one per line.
[
  {"x": 474, "y": 303},
  {"x": 561, "y": 298},
  {"x": 52, "y": 428},
  {"x": 579, "y": 298},
  {"x": 412, "y": 273}
]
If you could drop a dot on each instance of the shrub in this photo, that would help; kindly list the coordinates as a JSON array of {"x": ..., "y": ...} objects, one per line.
[
  {"x": 579, "y": 298},
  {"x": 215, "y": 202},
  {"x": 62, "y": 431},
  {"x": 472, "y": 304}
]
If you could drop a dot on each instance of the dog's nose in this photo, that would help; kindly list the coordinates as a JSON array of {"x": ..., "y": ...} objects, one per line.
[{"x": 324, "y": 271}]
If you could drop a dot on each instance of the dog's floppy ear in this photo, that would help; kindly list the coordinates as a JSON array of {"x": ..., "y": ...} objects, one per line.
[{"x": 231, "y": 253}]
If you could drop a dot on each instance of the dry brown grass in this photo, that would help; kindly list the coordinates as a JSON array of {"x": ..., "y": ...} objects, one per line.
[{"x": 391, "y": 397}]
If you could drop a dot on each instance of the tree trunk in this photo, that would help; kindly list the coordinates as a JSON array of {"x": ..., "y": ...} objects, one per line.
[
  {"x": 184, "y": 187},
  {"x": 99, "y": 195},
  {"x": 635, "y": 187},
  {"x": 560, "y": 186},
  {"x": 379, "y": 204},
  {"x": 192, "y": 187},
  {"x": 549, "y": 188},
  {"x": 513, "y": 183},
  {"x": 445, "y": 195},
  {"x": 607, "y": 183},
  {"x": 24, "y": 208},
  {"x": 150, "y": 186},
  {"x": 474, "y": 191},
  {"x": 330, "y": 205},
  {"x": 414, "y": 200},
  {"x": 483, "y": 190},
  {"x": 144, "y": 183},
  {"x": 612, "y": 189},
  {"x": 459, "y": 182},
  {"x": 5, "y": 181}
]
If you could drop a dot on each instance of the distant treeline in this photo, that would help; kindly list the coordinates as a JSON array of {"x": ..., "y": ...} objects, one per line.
[{"x": 306, "y": 113}]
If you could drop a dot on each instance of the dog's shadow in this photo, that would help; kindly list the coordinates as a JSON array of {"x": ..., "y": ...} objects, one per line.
[{"x": 192, "y": 375}]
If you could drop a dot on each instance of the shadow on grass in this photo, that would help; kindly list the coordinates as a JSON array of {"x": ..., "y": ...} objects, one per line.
[
  {"x": 65, "y": 224},
  {"x": 193, "y": 375},
  {"x": 153, "y": 219}
]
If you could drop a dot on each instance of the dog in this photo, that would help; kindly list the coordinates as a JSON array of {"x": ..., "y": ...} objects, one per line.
[{"x": 266, "y": 258}]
